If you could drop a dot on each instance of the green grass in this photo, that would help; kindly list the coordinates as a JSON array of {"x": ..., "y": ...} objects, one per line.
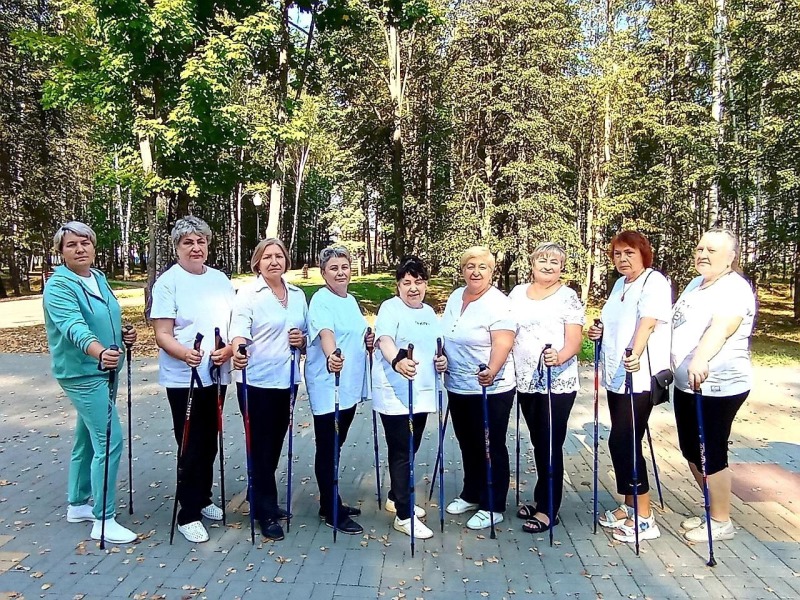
[{"x": 776, "y": 341}]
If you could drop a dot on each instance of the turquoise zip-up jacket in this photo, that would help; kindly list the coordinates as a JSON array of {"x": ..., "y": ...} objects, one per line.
[{"x": 74, "y": 317}]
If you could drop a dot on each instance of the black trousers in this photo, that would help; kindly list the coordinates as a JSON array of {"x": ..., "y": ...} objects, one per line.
[
  {"x": 620, "y": 440},
  {"x": 466, "y": 411},
  {"x": 196, "y": 468},
  {"x": 396, "y": 429},
  {"x": 323, "y": 461},
  {"x": 534, "y": 408},
  {"x": 269, "y": 421}
]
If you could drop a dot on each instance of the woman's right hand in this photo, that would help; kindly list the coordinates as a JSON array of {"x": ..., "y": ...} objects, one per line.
[
  {"x": 595, "y": 331},
  {"x": 407, "y": 367},
  {"x": 193, "y": 357},
  {"x": 335, "y": 363},
  {"x": 110, "y": 359},
  {"x": 239, "y": 360}
]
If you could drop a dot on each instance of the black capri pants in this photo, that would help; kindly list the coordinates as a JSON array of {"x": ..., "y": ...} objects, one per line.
[
  {"x": 718, "y": 415},
  {"x": 396, "y": 429},
  {"x": 620, "y": 442}
]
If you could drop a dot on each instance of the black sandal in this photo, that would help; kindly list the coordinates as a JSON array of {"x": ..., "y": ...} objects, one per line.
[
  {"x": 534, "y": 525},
  {"x": 526, "y": 511}
]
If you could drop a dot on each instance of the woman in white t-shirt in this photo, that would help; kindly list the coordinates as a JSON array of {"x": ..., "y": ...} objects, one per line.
[
  {"x": 546, "y": 312},
  {"x": 335, "y": 321},
  {"x": 479, "y": 330},
  {"x": 712, "y": 323},
  {"x": 401, "y": 321},
  {"x": 270, "y": 316},
  {"x": 636, "y": 315},
  {"x": 190, "y": 298}
]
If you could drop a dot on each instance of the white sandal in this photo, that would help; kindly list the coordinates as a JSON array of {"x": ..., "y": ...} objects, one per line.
[{"x": 612, "y": 521}]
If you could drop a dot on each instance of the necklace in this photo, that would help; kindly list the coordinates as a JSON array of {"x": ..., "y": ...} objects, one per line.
[
  {"x": 545, "y": 290},
  {"x": 627, "y": 286},
  {"x": 281, "y": 301},
  {"x": 705, "y": 285}
]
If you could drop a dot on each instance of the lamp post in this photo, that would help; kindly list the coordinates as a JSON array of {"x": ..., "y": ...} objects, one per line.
[{"x": 257, "y": 202}]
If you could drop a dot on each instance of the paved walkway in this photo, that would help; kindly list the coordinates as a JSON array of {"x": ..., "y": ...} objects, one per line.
[{"x": 42, "y": 556}]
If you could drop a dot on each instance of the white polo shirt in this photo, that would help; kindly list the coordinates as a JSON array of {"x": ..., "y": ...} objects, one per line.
[
  {"x": 468, "y": 341},
  {"x": 197, "y": 304},
  {"x": 264, "y": 322},
  {"x": 405, "y": 325},
  {"x": 730, "y": 371},
  {"x": 343, "y": 317}
]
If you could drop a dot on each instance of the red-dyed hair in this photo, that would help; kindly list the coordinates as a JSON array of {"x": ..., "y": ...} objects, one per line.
[{"x": 634, "y": 239}]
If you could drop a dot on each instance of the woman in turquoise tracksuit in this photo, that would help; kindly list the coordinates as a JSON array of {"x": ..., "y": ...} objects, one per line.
[{"x": 83, "y": 320}]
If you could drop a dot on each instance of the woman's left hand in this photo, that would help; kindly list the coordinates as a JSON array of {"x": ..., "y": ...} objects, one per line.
[
  {"x": 631, "y": 363},
  {"x": 550, "y": 357},
  {"x": 698, "y": 372},
  {"x": 129, "y": 335},
  {"x": 486, "y": 377},
  {"x": 221, "y": 356},
  {"x": 440, "y": 362},
  {"x": 369, "y": 340},
  {"x": 296, "y": 338}
]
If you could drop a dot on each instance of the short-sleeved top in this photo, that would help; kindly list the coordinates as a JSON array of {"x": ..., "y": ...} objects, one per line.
[
  {"x": 197, "y": 304},
  {"x": 343, "y": 317},
  {"x": 730, "y": 371},
  {"x": 405, "y": 325},
  {"x": 264, "y": 322},
  {"x": 649, "y": 296},
  {"x": 541, "y": 322},
  {"x": 468, "y": 340}
]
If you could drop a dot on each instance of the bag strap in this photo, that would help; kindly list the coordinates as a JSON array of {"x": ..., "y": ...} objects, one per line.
[{"x": 647, "y": 346}]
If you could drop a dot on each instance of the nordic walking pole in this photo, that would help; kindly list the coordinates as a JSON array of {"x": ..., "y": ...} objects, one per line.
[
  {"x": 112, "y": 379},
  {"x": 655, "y": 466},
  {"x": 411, "y": 495},
  {"x": 550, "y": 494},
  {"x": 375, "y": 434},
  {"x": 596, "y": 422},
  {"x": 128, "y": 352},
  {"x": 698, "y": 400},
  {"x": 635, "y": 473},
  {"x": 440, "y": 454},
  {"x": 248, "y": 454},
  {"x": 218, "y": 343},
  {"x": 438, "y": 467},
  {"x": 184, "y": 437},
  {"x": 487, "y": 447},
  {"x": 337, "y": 376},
  {"x": 292, "y": 397},
  {"x": 517, "y": 453}
]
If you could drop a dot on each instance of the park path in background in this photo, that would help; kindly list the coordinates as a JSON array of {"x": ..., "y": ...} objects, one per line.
[
  {"x": 42, "y": 556},
  {"x": 27, "y": 311}
]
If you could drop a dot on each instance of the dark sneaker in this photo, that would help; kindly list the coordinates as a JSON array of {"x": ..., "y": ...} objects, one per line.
[
  {"x": 346, "y": 525},
  {"x": 345, "y": 511},
  {"x": 271, "y": 529}
]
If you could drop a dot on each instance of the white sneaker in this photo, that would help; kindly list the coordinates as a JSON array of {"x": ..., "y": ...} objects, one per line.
[
  {"x": 693, "y": 522},
  {"x": 80, "y": 513},
  {"x": 213, "y": 512},
  {"x": 194, "y": 532},
  {"x": 612, "y": 521},
  {"x": 720, "y": 530},
  {"x": 481, "y": 520},
  {"x": 459, "y": 507},
  {"x": 419, "y": 512},
  {"x": 648, "y": 530},
  {"x": 421, "y": 531},
  {"x": 114, "y": 533}
]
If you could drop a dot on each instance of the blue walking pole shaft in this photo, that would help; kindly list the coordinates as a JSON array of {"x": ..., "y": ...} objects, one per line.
[
  {"x": 550, "y": 494},
  {"x": 411, "y": 496},
  {"x": 290, "y": 457},
  {"x": 698, "y": 401},
  {"x": 375, "y": 446},
  {"x": 112, "y": 379},
  {"x": 248, "y": 453},
  {"x": 596, "y": 425},
  {"x": 635, "y": 470},
  {"x": 440, "y": 455},
  {"x": 337, "y": 377},
  {"x": 488, "y": 450}
]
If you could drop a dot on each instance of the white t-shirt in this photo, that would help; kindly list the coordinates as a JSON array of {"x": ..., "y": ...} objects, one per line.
[
  {"x": 405, "y": 325},
  {"x": 730, "y": 371},
  {"x": 263, "y": 321},
  {"x": 91, "y": 283},
  {"x": 468, "y": 341},
  {"x": 343, "y": 317},
  {"x": 543, "y": 322},
  {"x": 197, "y": 304},
  {"x": 649, "y": 296}
]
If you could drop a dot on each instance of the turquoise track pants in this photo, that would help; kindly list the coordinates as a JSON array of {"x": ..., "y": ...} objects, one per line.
[{"x": 89, "y": 395}]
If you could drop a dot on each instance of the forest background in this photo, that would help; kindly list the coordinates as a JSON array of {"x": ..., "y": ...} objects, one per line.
[{"x": 402, "y": 126}]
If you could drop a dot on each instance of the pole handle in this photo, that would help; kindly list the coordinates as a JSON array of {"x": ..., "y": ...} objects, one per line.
[
  {"x": 411, "y": 352},
  {"x": 218, "y": 339},
  {"x": 597, "y": 322},
  {"x": 439, "y": 347},
  {"x": 482, "y": 367},
  {"x": 128, "y": 327},
  {"x": 548, "y": 346},
  {"x": 113, "y": 347},
  {"x": 628, "y": 351},
  {"x": 198, "y": 339},
  {"x": 337, "y": 352},
  {"x": 242, "y": 349}
]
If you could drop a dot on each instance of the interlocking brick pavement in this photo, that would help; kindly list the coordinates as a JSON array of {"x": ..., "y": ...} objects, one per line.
[{"x": 42, "y": 556}]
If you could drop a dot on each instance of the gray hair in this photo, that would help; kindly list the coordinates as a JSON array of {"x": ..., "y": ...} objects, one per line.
[
  {"x": 734, "y": 241},
  {"x": 187, "y": 226},
  {"x": 259, "y": 252},
  {"x": 333, "y": 252},
  {"x": 77, "y": 228},
  {"x": 548, "y": 249}
]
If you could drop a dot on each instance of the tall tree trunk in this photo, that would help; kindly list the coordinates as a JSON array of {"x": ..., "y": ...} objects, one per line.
[
  {"x": 305, "y": 151},
  {"x": 396, "y": 93},
  {"x": 719, "y": 71}
]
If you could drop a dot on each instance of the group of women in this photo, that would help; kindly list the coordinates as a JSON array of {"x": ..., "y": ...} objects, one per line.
[{"x": 489, "y": 347}]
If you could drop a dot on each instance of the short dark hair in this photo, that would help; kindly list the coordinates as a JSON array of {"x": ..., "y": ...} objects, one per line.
[
  {"x": 636, "y": 240},
  {"x": 411, "y": 265}
]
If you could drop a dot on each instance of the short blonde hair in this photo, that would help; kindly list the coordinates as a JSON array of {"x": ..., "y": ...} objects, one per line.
[
  {"x": 259, "y": 252},
  {"x": 481, "y": 252},
  {"x": 548, "y": 249}
]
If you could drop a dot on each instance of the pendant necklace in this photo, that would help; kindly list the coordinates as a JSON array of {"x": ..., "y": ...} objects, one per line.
[{"x": 627, "y": 286}]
